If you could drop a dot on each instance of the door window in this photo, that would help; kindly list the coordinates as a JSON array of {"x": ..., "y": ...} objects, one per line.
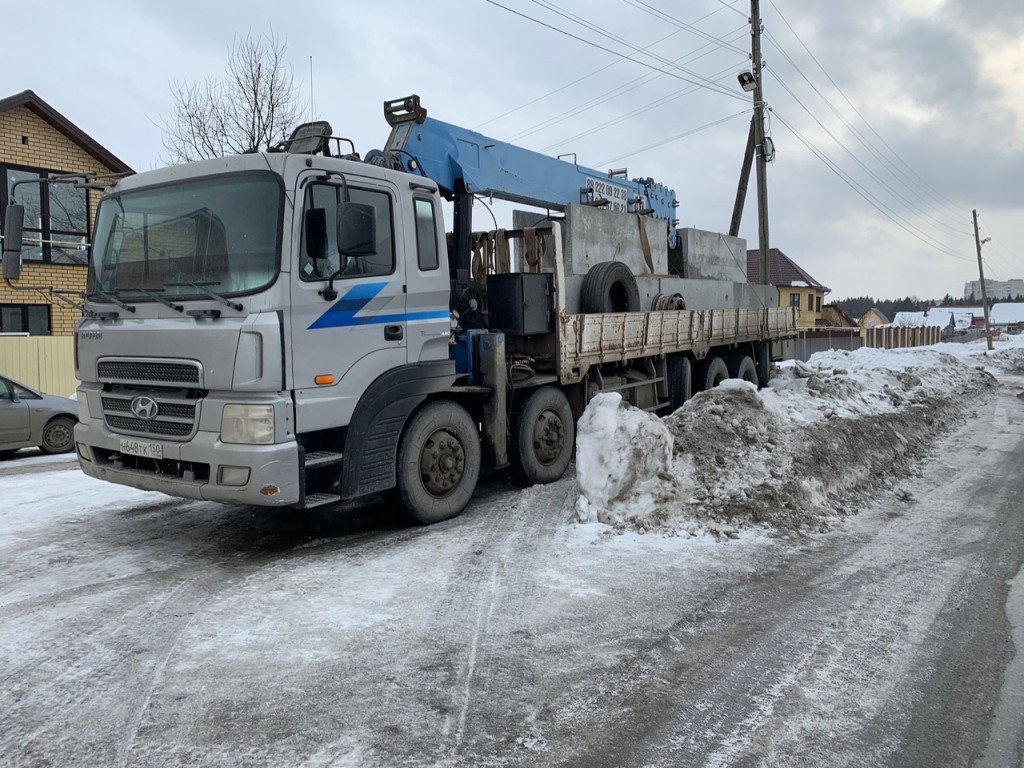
[{"x": 320, "y": 266}]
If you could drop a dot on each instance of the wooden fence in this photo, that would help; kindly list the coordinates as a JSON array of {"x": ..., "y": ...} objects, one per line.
[{"x": 45, "y": 363}]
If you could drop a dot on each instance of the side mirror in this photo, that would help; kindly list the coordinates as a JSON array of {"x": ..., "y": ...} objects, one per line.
[
  {"x": 357, "y": 229},
  {"x": 13, "y": 223}
]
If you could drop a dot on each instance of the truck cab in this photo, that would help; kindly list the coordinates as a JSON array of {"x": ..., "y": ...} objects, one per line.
[{"x": 238, "y": 311}]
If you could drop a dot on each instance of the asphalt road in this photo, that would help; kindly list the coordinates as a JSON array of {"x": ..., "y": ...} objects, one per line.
[{"x": 139, "y": 630}]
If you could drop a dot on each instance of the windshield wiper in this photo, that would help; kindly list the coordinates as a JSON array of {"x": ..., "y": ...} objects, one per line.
[
  {"x": 202, "y": 287},
  {"x": 158, "y": 297},
  {"x": 111, "y": 297}
]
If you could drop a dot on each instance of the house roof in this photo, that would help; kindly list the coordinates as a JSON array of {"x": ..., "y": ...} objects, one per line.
[
  {"x": 881, "y": 315},
  {"x": 908, "y": 319},
  {"x": 33, "y": 103},
  {"x": 1006, "y": 313},
  {"x": 782, "y": 271}
]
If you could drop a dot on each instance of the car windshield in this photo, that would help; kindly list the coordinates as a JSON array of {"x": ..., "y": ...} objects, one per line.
[{"x": 184, "y": 240}]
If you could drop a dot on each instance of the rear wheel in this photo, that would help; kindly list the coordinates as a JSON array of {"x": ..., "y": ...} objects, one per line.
[
  {"x": 58, "y": 435},
  {"x": 680, "y": 382},
  {"x": 543, "y": 437},
  {"x": 438, "y": 462},
  {"x": 742, "y": 367},
  {"x": 713, "y": 372}
]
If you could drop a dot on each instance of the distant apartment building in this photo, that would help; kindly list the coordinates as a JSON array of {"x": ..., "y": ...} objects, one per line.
[{"x": 994, "y": 289}]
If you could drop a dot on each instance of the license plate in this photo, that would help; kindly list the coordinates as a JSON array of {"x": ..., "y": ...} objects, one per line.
[{"x": 142, "y": 448}]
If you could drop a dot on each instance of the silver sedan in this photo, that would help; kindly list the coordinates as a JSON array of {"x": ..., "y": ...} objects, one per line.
[{"x": 29, "y": 418}]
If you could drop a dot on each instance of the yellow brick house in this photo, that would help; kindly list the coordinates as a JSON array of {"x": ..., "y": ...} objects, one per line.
[
  {"x": 38, "y": 142},
  {"x": 796, "y": 288}
]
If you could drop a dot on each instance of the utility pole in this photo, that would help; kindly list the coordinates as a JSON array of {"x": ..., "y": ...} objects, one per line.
[
  {"x": 981, "y": 273},
  {"x": 762, "y": 162}
]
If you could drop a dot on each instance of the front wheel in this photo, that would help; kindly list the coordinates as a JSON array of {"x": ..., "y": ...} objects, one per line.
[
  {"x": 438, "y": 462},
  {"x": 58, "y": 435},
  {"x": 543, "y": 437}
]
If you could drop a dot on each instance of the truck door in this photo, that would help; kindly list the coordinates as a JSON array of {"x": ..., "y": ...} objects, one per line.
[
  {"x": 340, "y": 345},
  {"x": 15, "y": 428}
]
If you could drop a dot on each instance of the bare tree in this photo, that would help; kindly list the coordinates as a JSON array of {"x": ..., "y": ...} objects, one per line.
[{"x": 254, "y": 106}]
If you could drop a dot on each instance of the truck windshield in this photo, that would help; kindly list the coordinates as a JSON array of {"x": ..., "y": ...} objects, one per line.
[{"x": 218, "y": 234}]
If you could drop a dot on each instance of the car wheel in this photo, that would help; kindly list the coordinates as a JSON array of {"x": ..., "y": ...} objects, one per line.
[{"x": 59, "y": 435}]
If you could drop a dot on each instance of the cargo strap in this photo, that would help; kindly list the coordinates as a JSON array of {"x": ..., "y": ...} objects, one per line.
[{"x": 645, "y": 245}]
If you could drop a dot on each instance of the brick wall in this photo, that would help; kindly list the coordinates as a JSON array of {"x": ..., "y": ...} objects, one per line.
[{"x": 28, "y": 140}]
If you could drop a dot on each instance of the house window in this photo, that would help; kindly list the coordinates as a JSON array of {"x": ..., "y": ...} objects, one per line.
[
  {"x": 817, "y": 303},
  {"x": 56, "y": 228},
  {"x": 810, "y": 302},
  {"x": 794, "y": 300},
  {"x": 33, "y": 319}
]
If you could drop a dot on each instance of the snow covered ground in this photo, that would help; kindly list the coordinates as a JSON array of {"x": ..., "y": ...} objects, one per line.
[
  {"x": 824, "y": 438},
  {"x": 549, "y": 626}
]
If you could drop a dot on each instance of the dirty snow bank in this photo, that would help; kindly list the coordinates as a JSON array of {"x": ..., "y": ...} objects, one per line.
[{"x": 823, "y": 438}]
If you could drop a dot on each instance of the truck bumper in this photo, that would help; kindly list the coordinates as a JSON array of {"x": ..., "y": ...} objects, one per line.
[{"x": 195, "y": 469}]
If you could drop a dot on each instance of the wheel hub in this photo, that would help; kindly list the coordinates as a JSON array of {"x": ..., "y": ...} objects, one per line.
[
  {"x": 548, "y": 437},
  {"x": 442, "y": 462}
]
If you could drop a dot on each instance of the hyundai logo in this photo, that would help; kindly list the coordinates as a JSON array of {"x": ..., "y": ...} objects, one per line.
[{"x": 145, "y": 407}]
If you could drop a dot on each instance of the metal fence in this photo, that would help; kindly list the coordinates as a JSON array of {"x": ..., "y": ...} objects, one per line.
[{"x": 46, "y": 363}]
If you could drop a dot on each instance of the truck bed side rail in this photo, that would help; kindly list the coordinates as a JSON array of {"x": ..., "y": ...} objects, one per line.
[{"x": 587, "y": 340}]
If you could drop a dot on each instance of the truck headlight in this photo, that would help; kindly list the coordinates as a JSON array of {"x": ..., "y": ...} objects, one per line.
[
  {"x": 249, "y": 424},
  {"x": 83, "y": 406}
]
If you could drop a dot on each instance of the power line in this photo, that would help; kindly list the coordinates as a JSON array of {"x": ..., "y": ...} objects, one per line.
[
  {"x": 637, "y": 49},
  {"x": 608, "y": 95},
  {"x": 867, "y": 196},
  {"x": 846, "y": 149},
  {"x": 867, "y": 144},
  {"x": 551, "y": 6},
  {"x": 835, "y": 85},
  {"x": 660, "y": 102},
  {"x": 675, "y": 138},
  {"x": 682, "y": 27},
  {"x": 690, "y": 27}
]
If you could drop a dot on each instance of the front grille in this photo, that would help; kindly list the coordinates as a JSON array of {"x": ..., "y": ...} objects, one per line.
[
  {"x": 156, "y": 427},
  {"x": 167, "y": 410},
  {"x": 176, "y": 417},
  {"x": 148, "y": 372}
]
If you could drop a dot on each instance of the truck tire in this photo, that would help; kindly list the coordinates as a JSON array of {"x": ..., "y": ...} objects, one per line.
[
  {"x": 58, "y": 435},
  {"x": 713, "y": 373},
  {"x": 438, "y": 462},
  {"x": 742, "y": 367},
  {"x": 679, "y": 377},
  {"x": 543, "y": 437},
  {"x": 609, "y": 287}
]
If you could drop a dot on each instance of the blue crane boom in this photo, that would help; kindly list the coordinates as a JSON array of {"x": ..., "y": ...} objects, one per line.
[{"x": 462, "y": 161}]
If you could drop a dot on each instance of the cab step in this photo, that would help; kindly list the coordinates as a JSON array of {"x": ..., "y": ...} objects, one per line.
[
  {"x": 320, "y": 499},
  {"x": 317, "y": 459}
]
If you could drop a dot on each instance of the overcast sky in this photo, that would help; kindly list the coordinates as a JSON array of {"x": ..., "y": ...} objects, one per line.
[{"x": 891, "y": 121}]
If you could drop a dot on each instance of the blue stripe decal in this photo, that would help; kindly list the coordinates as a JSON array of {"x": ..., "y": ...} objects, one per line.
[{"x": 344, "y": 312}]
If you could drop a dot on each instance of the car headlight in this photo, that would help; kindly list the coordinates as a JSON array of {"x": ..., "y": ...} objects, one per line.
[
  {"x": 83, "y": 407},
  {"x": 248, "y": 424}
]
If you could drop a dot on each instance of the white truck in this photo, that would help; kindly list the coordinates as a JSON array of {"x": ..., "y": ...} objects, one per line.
[{"x": 294, "y": 327}]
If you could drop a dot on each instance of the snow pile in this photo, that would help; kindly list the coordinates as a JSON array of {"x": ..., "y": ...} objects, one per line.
[
  {"x": 823, "y": 437},
  {"x": 638, "y": 473}
]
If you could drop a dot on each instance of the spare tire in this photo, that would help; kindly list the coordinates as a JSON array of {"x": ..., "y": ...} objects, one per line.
[{"x": 609, "y": 287}]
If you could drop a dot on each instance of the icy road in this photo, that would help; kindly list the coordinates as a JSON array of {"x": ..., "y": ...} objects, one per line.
[{"x": 803, "y": 593}]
